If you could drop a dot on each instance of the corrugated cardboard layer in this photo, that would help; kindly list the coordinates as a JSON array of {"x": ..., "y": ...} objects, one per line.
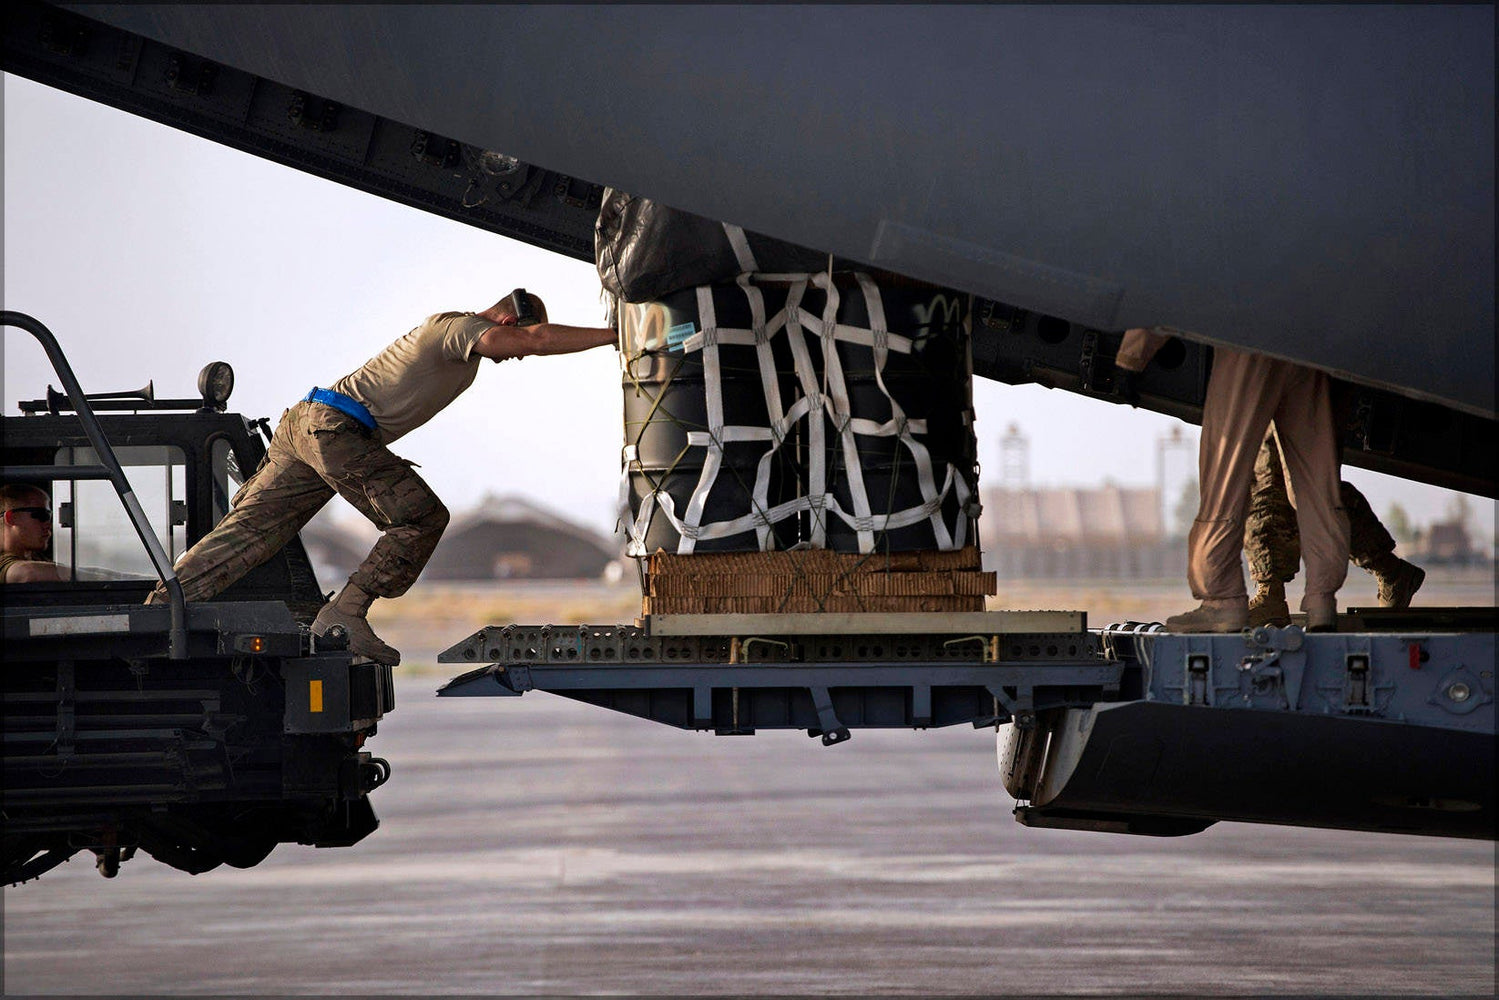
[
  {"x": 836, "y": 603},
  {"x": 816, "y": 580}
]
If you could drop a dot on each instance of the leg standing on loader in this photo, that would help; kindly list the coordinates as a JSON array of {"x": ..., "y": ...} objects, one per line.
[
  {"x": 1273, "y": 546},
  {"x": 1247, "y": 395}
]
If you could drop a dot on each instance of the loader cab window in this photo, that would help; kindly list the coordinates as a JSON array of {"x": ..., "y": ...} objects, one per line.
[
  {"x": 93, "y": 536},
  {"x": 226, "y": 475}
]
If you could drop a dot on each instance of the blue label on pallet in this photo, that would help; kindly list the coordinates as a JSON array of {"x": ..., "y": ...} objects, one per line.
[{"x": 678, "y": 334}]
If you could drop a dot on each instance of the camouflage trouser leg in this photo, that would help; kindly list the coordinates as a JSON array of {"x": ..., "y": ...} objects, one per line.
[
  {"x": 317, "y": 450},
  {"x": 1368, "y": 538},
  {"x": 381, "y": 486},
  {"x": 270, "y": 508},
  {"x": 1271, "y": 542}
]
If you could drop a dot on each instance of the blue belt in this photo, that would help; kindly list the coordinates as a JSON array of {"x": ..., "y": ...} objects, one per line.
[{"x": 342, "y": 403}]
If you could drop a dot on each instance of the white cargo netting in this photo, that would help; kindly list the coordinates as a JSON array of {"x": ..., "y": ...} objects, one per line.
[{"x": 818, "y": 413}]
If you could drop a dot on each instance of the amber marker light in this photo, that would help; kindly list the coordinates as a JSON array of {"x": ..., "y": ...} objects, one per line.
[{"x": 249, "y": 643}]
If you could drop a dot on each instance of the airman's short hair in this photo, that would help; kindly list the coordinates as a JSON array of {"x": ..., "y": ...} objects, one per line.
[{"x": 14, "y": 495}]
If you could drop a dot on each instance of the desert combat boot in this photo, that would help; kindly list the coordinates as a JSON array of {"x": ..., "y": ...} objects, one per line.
[
  {"x": 1398, "y": 580},
  {"x": 1229, "y": 615},
  {"x": 1321, "y": 612},
  {"x": 1268, "y": 605},
  {"x": 348, "y": 610}
]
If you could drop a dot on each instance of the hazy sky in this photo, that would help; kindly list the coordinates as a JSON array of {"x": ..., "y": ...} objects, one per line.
[{"x": 150, "y": 252}]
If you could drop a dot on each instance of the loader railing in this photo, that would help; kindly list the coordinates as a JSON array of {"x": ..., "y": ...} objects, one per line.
[{"x": 108, "y": 468}]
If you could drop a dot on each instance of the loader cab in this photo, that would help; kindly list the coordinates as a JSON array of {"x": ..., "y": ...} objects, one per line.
[{"x": 185, "y": 459}]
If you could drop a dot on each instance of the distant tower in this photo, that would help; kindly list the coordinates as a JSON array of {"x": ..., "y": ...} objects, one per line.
[
  {"x": 1014, "y": 459},
  {"x": 1167, "y": 446}
]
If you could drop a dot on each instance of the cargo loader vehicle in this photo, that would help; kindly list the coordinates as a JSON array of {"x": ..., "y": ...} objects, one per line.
[{"x": 200, "y": 734}]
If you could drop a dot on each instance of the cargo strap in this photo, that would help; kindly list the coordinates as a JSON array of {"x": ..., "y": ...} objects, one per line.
[
  {"x": 344, "y": 404},
  {"x": 825, "y": 396},
  {"x": 740, "y": 243}
]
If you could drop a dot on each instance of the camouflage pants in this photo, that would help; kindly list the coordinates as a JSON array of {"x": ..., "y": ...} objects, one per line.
[
  {"x": 1271, "y": 542},
  {"x": 316, "y": 452}
]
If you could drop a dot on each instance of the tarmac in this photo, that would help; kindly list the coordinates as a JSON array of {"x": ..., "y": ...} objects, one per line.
[{"x": 536, "y": 846}]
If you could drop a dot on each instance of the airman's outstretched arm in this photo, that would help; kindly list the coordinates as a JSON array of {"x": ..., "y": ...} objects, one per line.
[
  {"x": 507, "y": 340},
  {"x": 501, "y": 342}
]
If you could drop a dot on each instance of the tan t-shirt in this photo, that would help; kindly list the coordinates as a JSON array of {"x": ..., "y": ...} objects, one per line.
[
  {"x": 6, "y": 559},
  {"x": 406, "y": 384}
]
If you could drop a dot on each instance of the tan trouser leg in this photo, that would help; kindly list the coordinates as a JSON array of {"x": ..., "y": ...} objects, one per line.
[
  {"x": 1308, "y": 440},
  {"x": 1242, "y": 395},
  {"x": 1138, "y": 347}
]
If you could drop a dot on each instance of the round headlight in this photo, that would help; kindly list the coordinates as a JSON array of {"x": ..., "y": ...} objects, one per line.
[{"x": 215, "y": 383}]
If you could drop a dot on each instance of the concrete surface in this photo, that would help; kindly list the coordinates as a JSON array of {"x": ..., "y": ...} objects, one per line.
[{"x": 537, "y": 846}]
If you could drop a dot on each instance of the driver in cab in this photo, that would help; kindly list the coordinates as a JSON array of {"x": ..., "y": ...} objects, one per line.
[{"x": 26, "y": 535}]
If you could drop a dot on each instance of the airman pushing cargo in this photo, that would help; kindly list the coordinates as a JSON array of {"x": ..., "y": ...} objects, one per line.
[{"x": 336, "y": 440}]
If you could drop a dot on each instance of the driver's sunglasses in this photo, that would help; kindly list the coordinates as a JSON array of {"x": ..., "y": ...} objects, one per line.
[{"x": 40, "y": 513}]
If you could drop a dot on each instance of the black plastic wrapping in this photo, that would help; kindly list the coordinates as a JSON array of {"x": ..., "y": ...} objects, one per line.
[{"x": 645, "y": 250}]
